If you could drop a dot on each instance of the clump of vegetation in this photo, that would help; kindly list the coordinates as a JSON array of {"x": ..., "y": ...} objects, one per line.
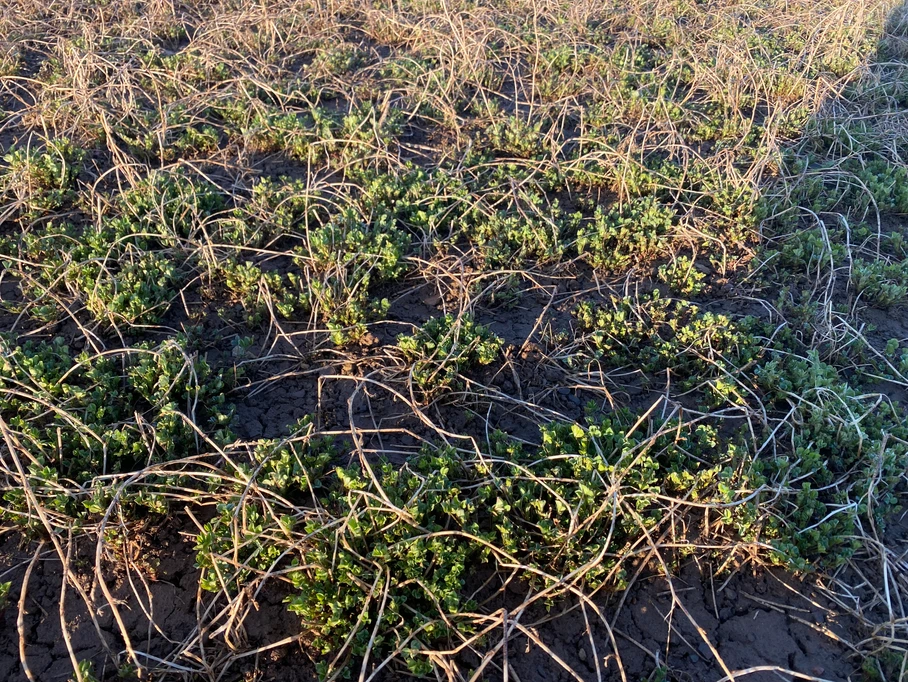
[
  {"x": 445, "y": 346},
  {"x": 655, "y": 334},
  {"x": 624, "y": 235},
  {"x": 880, "y": 283},
  {"x": 531, "y": 229},
  {"x": 841, "y": 472},
  {"x": 514, "y": 136},
  {"x": 42, "y": 180},
  {"x": 681, "y": 276},
  {"x": 386, "y": 562},
  {"x": 126, "y": 269},
  {"x": 83, "y": 416}
]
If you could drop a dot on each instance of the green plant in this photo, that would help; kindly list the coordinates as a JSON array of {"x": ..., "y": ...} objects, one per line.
[
  {"x": 86, "y": 672},
  {"x": 514, "y": 136},
  {"x": 444, "y": 347},
  {"x": 107, "y": 415},
  {"x": 234, "y": 544},
  {"x": 384, "y": 566},
  {"x": 348, "y": 256},
  {"x": 340, "y": 60},
  {"x": 681, "y": 276},
  {"x": 880, "y": 283},
  {"x": 126, "y": 269},
  {"x": 275, "y": 209},
  {"x": 258, "y": 291},
  {"x": 653, "y": 334},
  {"x": 635, "y": 232},
  {"x": 529, "y": 228},
  {"x": 844, "y": 470},
  {"x": 42, "y": 179}
]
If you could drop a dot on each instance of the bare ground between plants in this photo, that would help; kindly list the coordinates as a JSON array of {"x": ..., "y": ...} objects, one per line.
[{"x": 759, "y": 621}]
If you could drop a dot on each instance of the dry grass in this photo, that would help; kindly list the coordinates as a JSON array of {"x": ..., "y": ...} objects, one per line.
[{"x": 485, "y": 161}]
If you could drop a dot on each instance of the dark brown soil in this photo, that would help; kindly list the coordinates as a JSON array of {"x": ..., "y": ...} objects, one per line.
[{"x": 757, "y": 620}]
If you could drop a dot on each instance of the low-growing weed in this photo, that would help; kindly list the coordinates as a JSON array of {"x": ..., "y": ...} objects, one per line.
[
  {"x": 839, "y": 470},
  {"x": 655, "y": 334},
  {"x": 681, "y": 276},
  {"x": 386, "y": 566},
  {"x": 530, "y": 228},
  {"x": 42, "y": 179},
  {"x": 880, "y": 283},
  {"x": 82, "y": 416},
  {"x": 515, "y": 137},
  {"x": 444, "y": 346},
  {"x": 632, "y": 233},
  {"x": 127, "y": 268}
]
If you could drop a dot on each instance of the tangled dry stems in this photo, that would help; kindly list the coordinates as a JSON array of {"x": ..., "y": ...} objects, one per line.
[{"x": 465, "y": 77}]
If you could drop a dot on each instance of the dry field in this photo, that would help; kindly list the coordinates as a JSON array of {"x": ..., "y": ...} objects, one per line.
[{"x": 460, "y": 340}]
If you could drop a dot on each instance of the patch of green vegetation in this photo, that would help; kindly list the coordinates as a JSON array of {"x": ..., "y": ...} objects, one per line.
[
  {"x": 339, "y": 60},
  {"x": 274, "y": 209},
  {"x": 184, "y": 70},
  {"x": 261, "y": 292},
  {"x": 626, "y": 235},
  {"x": 235, "y": 544},
  {"x": 681, "y": 276},
  {"x": 428, "y": 204},
  {"x": 528, "y": 228},
  {"x": 654, "y": 334},
  {"x": 170, "y": 205},
  {"x": 513, "y": 136},
  {"x": 483, "y": 152},
  {"x": 847, "y": 460},
  {"x": 349, "y": 256},
  {"x": 316, "y": 135},
  {"x": 387, "y": 558},
  {"x": 126, "y": 269},
  {"x": 174, "y": 133},
  {"x": 885, "y": 665},
  {"x": 445, "y": 346},
  {"x": 42, "y": 179},
  {"x": 880, "y": 283},
  {"x": 84, "y": 416},
  {"x": 334, "y": 271}
]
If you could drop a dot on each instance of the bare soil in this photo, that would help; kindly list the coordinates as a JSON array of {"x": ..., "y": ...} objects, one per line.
[{"x": 758, "y": 620}]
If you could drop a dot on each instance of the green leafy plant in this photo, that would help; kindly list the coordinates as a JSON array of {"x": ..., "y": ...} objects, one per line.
[
  {"x": 682, "y": 276},
  {"x": 528, "y": 228},
  {"x": 444, "y": 347},
  {"x": 653, "y": 334},
  {"x": 348, "y": 256},
  {"x": 84, "y": 416},
  {"x": 86, "y": 672},
  {"x": 42, "y": 179},
  {"x": 512, "y": 135},
  {"x": 844, "y": 470},
  {"x": 384, "y": 567},
  {"x": 629, "y": 234},
  {"x": 880, "y": 283},
  {"x": 126, "y": 269}
]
